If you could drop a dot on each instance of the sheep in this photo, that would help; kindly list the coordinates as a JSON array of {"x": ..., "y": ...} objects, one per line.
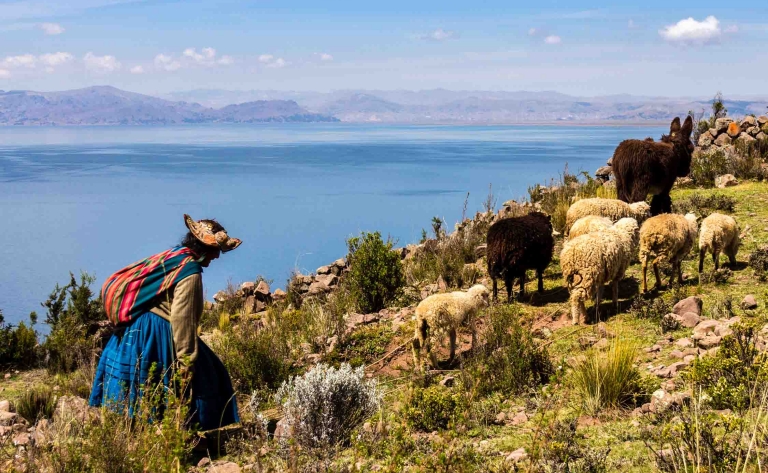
[
  {"x": 612, "y": 209},
  {"x": 666, "y": 237},
  {"x": 517, "y": 244},
  {"x": 592, "y": 260},
  {"x": 718, "y": 233},
  {"x": 641, "y": 167},
  {"x": 589, "y": 224},
  {"x": 440, "y": 313}
]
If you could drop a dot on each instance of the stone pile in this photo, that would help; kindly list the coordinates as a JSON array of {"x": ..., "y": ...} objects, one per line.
[
  {"x": 325, "y": 279},
  {"x": 727, "y": 132}
]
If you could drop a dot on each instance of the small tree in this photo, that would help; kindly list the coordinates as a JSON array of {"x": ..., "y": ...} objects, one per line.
[{"x": 376, "y": 273}]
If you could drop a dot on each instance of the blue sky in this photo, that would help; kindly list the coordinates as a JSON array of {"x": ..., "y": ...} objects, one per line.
[{"x": 159, "y": 46}]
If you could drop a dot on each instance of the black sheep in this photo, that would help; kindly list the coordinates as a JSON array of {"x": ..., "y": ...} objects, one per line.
[
  {"x": 517, "y": 244},
  {"x": 642, "y": 167}
]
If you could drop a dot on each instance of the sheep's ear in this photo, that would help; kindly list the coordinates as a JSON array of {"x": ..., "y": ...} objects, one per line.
[
  {"x": 675, "y": 126},
  {"x": 687, "y": 127}
]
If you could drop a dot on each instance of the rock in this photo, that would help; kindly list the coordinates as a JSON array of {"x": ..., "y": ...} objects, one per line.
[
  {"x": 441, "y": 284},
  {"x": 761, "y": 136},
  {"x": 72, "y": 412},
  {"x": 762, "y": 120},
  {"x": 313, "y": 358},
  {"x": 684, "y": 182},
  {"x": 517, "y": 456},
  {"x": 748, "y": 303},
  {"x": 355, "y": 320},
  {"x": 704, "y": 328},
  {"x": 604, "y": 171},
  {"x": 317, "y": 288},
  {"x": 500, "y": 418},
  {"x": 764, "y": 128},
  {"x": 253, "y": 305},
  {"x": 733, "y": 130},
  {"x": 279, "y": 295},
  {"x": 220, "y": 296},
  {"x": 753, "y": 131},
  {"x": 519, "y": 418},
  {"x": 684, "y": 343},
  {"x": 205, "y": 461},
  {"x": 705, "y": 140},
  {"x": 247, "y": 287},
  {"x": 283, "y": 431},
  {"x": 542, "y": 332},
  {"x": 331, "y": 343},
  {"x": 689, "y": 319},
  {"x": 21, "y": 439},
  {"x": 262, "y": 290},
  {"x": 710, "y": 341},
  {"x": 327, "y": 279},
  {"x": 323, "y": 270},
  {"x": 481, "y": 251},
  {"x": 602, "y": 344},
  {"x": 723, "y": 140},
  {"x": 748, "y": 121},
  {"x": 745, "y": 137},
  {"x": 726, "y": 180},
  {"x": 5, "y": 406},
  {"x": 713, "y": 132},
  {"x": 671, "y": 370},
  {"x": 603, "y": 332},
  {"x": 610, "y": 161},
  {"x": 8, "y": 418},
  {"x": 689, "y": 304},
  {"x": 228, "y": 467},
  {"x": 448, "y": 381},
  {"x": 340, "y": 263},
  {"x": 677, "y": 354},
  {"x": 721, "y": 124}
]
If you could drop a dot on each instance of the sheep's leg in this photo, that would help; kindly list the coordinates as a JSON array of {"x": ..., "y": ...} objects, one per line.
[
  {"x": 540, "y": 275},
  {"x": 578, "y": 310},
  {"x": 452, "y": 340},
  {"x": 522, "y": 287},
  {"x": 702, "y": 254},
  {"x": 416, "y": 353},
  {"x": 419, "y": 340},
  {"x": 716, "y": 259},
  {"x": 598, "y": 296},
  {"x": 658, "y": 275},
  {"x": 679, "y": 266},
  {"x": 645, "y": 275},
  {"x": 732, "y": 257},
  {"x": 615, "y": 287},
  {"x": 495, "y": 291}
]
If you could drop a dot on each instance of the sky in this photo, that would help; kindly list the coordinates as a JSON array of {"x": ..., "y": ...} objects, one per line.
[{"x": 654, "y": 47}]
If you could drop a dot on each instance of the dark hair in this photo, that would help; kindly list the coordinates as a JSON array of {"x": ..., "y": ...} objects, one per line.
[{"x": 198, "y": 247}]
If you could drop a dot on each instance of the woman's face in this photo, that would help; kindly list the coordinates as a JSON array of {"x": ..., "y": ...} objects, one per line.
[{"x": 211, "y": 255}]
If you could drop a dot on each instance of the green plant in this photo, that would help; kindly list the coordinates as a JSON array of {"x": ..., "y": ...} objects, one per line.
[
  {"x": 18, "y": 345},
  {"x": 36, "y": 403},
  {"x": 364, "y": 346},
  {"x": 507, "y": 360},
  {"x": 376, "y": 275},
  {"x": 555, "y": 199},
  {"x": 435, "y": 407},
  {"x": 721, "y": 276},
  {"x": 650, "y": 309},
  {"x": 758, "y": 261},
  {"x": 704, "y": 205},
  {"x": 707, "y": 165},
  {"x": 607, "y": 380},
  {"x": 561, "y": 448}
]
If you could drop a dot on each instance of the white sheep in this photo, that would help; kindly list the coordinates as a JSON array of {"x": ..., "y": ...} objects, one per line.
[
  {"x": 589, "y": 224},
  {"x": 666, "y": 237},
  {"x": 719, "y": 233},
  {"x": 592, "y": 260},
  {"x": 612, "y": 209},
  {"x": 441, "y": 313}
]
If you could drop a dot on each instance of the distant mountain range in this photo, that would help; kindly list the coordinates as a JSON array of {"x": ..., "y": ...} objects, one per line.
[
  {"x": 106, "y": 105},
  {"x": 446, "y": 106}
]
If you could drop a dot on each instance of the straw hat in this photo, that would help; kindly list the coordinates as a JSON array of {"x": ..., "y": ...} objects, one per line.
[{"x": 203, "y": 230}]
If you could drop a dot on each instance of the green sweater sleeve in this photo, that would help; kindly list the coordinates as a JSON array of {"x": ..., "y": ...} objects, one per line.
[{"x": 186, "y": 309}]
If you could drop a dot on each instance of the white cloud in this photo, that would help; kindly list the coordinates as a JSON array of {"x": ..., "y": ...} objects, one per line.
[
  {"x": 4, "y": 74},
  {"x": 631, "y": 24},
  {"x": 730, "y": 29},
  {"x": 137, "y": 70},
  {"x": 266, "y": 58},
  {"x": 25, "y": 60},
  {"x": 691, "y": 31},
  {"x": 105, "y": 63},
  {"x": 439, "y": 35},
  {"x": 52, "y": 28},
  {"x": 277, "y": 63},
  {"x": 552, "y": 39},
  {"x": 326, "y": 57},
  {"x": 532, "y": 32},
  {"x": 55, "y": 59},
  {"x": 167, "y": 63},
  {"x": 226, "y": 60}
]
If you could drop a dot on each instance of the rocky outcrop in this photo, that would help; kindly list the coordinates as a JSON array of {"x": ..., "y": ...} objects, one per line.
[{"x": 727, "y": 132}]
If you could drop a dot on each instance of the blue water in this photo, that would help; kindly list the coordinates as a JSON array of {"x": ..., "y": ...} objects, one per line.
[{"x": 97, "y": 198}]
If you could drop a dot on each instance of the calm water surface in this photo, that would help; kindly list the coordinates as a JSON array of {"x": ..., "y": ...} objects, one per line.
[{"x": 98, "y": 198}]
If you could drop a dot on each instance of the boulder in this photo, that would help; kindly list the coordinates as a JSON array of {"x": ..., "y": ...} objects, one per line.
[
  {"x": 279, "y": 294},
  {"x": 517, "y": 456},
  {"x": 689, "y": 319},
  {"x": 733, "y": 130},
  {"x": 761, "y": 136},
  {"x": 723, "y": 140},
  {"x": 726, "y": 180},
  {"x": 247, "y": 288},
  {"x": 749, "y": 302},
  {"x": 705, "y": 328},
  {"x": 609, "y": 162},
  {"x": 327, "y": 279},
  {"x": 5, "y": 406},
  {"x": 684, "y": 343},
  {"x": 689, "y": 304},
  {"x": 713, "y": 132},
  {"x": 283, "y": 430},
  {"x": 764, "y": 128},
  {"x": 8, "y": 418},
  {"x": 710, "y": 341},
  {"x": 705, "y": 140},
  {"x": 227, "y": 467},
  {"x": 254, "y": 305},
  {"x": 72, "y": 412},
  {"x": 721, "y": 124},
  {"x": 481, "y": 250},
  {"x": 340, "y": 263},
  {"x": 355, "y": 320},
  {"x": 748, "y": 121},
  {"x": 745, "y": 137},
  {"x": 318, "y": 287},
  {"x": 672, "y": 370},
  {"x": 262, "y": 290},
  {"x": 519, "y": 418},
  {"x": 220, "y": 296},
  {"x": 752, "y": 131},
  {"x": 762, "y": 120},
  {"x": 604, "y": 171},
  {"x": 323, "y": 270}
]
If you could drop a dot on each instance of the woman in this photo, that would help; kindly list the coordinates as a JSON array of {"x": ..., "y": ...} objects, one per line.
[{"x": 156, "y": 304}]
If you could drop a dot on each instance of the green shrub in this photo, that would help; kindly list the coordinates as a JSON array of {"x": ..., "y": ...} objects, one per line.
[
  {"x": 561, "y": 448},
  {"x": 18, "y": 345},
  {"x": 608, "y": 380},
  {"x": 435, "y": 407},
  {"x": 364, "y": 346},
  {"x": 376, "y": 275},
  {"x": 650, "y": 309},
  {"x": 555, "y": 199},
  {"x": 36, "y": 403},
  {"x": 729, "y": 376},
  {"x": 707, "y": 165},
  {"x": 758, "y": 261},
  {"x": 704, "y": 205},
  {"x": 507, "y": 360}
]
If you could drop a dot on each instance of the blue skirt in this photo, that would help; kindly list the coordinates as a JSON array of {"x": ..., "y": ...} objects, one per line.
[{"x": 124, "y": 369}]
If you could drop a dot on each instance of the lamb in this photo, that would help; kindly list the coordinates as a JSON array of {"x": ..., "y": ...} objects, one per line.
[
  {"x": 612, "y": 209},
  {"x": 718, "y": 233},
  {"x": 517, "y": 244},
  {"x": 440, "y": 313},
  {"x": 592, "y": 260},
  {"x": 641, "y": 167},
  {"x": 589, "y": 224},
  {"x": 666, "y": 237}
]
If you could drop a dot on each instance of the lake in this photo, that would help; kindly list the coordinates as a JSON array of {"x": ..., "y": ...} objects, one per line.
[{"x": 98, "y": 198}]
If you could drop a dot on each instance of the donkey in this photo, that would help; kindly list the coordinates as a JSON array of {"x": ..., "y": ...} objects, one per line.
[{"x": 642, "y": 167}]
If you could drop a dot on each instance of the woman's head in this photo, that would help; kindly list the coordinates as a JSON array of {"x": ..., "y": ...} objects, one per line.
[{"x": 207, "y": 239}]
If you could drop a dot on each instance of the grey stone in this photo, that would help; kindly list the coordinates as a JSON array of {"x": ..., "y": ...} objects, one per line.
[
  {"x": 749, "y": 302},
  {"x": 762, "y": 120},
  {"x": 761, "y": 136},
  {"x": 5, "y": 406},
  {"x": 279, "y": 294},
  {"x": 317, "y": 288},
  {"x": 517, "y": 456},
  {"x": 723, "y": 140},
  {"x": 677, "y": 354},
  {"x": 748, "y": 121},
  {"x": 8, "y": 418},
  {"x": 726, "y": 180},
  {"x": 323, "y": 270},
  {"x": 721, "y": 124},
  {"x": 327, "y": 279},
  {"x": 689, "y": 319},
  {"x": 448, "y": 381},
  {"x": 705, "y": 140},
  {"x": 704, "y": 328},
  {"x": 684, "y": 343},
  {"x": 262, "y": 290},
  {"x": 710, "y": 341},
  {"x": 220, "y": 296},
  {"x": 745, "y": 138},
  {"x": 604, "y": 171},
  {"x": 228, "y": 467},
  {"x": 519, "y": 418},
  {"x": 247, "y": 287},
  {"x": 689, "y": 304}
]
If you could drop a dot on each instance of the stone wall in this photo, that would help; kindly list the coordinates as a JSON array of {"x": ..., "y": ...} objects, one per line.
[{"x": 728, "y": 131}]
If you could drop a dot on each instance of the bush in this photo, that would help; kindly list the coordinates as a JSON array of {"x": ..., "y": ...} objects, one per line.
[
  {"x": 508, "y": 360},
  {"x": 36, "y": 403},
  {"x": 721, "y": 276},
  {"x": 650, "y": 309},
  {"x": 704, "y": 205},
  {"x": 608, "y": 380},
  {"x": 555, "y": 199},
  {"x": 707, "y": 165},
  {"x": 376, "y": 275},
  {"x": 18, "y": 345},
  {"x": 73, "y": 315},
  {"x": 325, "y": 405},
  {"x": 758, "y": 261},
  {"x": 435, "y": 407},
  {"x": 562, "y": 449}
]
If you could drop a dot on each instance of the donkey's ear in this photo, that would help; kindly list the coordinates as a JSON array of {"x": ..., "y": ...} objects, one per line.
[
  {"x": 687, "y": 127},
  {"x": 675, "y": 126}
]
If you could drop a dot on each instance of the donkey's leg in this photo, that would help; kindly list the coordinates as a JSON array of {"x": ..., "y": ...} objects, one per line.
[
  {"x": 540, "y": 275},
  {"x": 522, "y": 287},
  {"x": 495, "y": 291}
]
